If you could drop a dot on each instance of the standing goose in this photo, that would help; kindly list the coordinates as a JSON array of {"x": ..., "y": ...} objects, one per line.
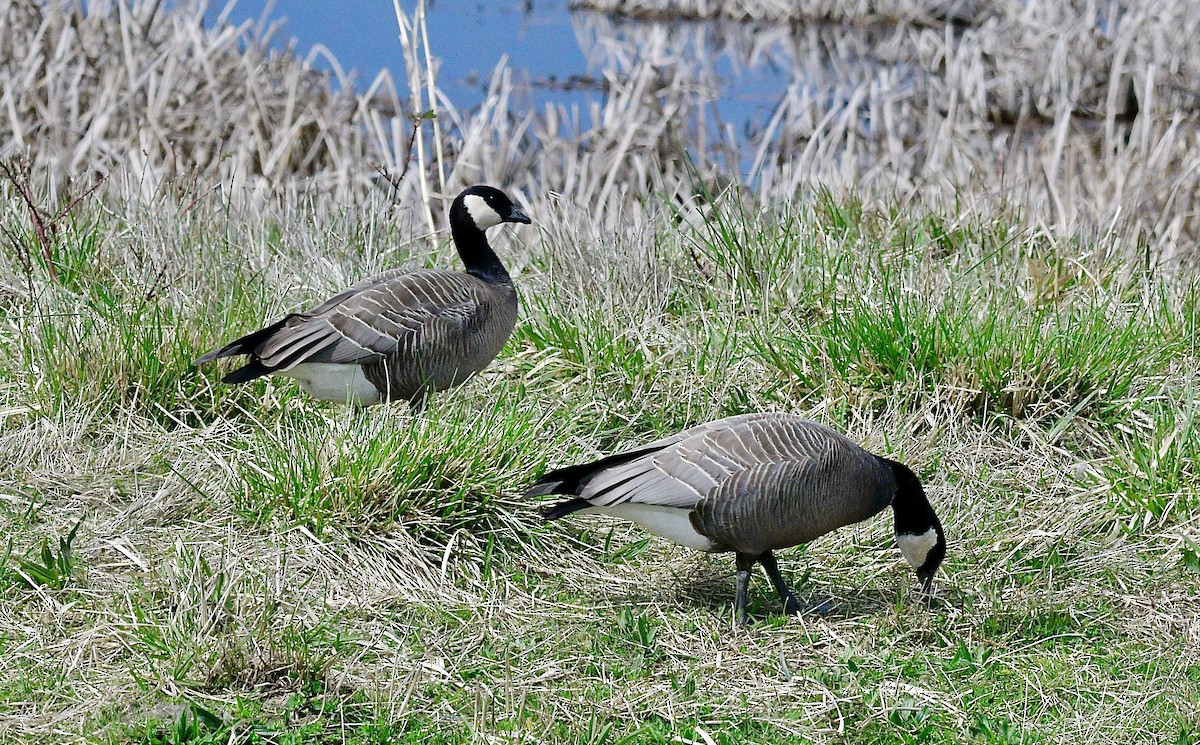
[
  {"x": 401, "y": 334},
  {"x": 753, "y": 484}
]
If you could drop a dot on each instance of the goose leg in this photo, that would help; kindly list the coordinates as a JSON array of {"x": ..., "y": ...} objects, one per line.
[
  {"x": 419, "y": 401},
  {"x": 745, "y": 563},
  {"x": 791, "y": 605}
]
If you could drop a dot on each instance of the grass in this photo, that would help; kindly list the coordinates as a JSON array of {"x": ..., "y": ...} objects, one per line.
[
  {"x": 252, "y": 565},
  {"x": 1008, "y": 306},
  {"x": 1078, "y": 114}
]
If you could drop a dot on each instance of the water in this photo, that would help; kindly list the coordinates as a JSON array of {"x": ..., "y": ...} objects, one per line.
[
  {"x": 834, "y": 98},
  {"x": 562, "y": 54},
  {"x": 469, "y": 36}
]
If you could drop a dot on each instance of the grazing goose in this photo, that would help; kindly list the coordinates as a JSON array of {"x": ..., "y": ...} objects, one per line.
[
  {"x": 401, "y": 334},
  {"x": 753, "y": 484}
]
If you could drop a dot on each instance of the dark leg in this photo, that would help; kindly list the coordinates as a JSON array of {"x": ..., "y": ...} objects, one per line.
[
  {"x": 420, "y": 399},
  {"x": 745, "y": 563},
  {"x": 791, "y": 605}
]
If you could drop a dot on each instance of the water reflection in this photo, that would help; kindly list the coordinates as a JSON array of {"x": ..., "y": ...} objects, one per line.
[
  {"x": 1061, "y": 103},
  {"x": 888, "y": 83},
  {"x": 768, "y": 87}
]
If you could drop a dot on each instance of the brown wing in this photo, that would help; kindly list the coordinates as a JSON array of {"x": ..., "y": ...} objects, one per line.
[
  {"x": 376, "y": 318},
  {"x": 604, "y": 481},
  {"x": 782, "y": 504},
  {"x": 691, "y": 464}
]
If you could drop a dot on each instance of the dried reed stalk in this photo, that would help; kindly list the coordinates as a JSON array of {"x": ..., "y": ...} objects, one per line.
[{"x": 1083, "y": 114}]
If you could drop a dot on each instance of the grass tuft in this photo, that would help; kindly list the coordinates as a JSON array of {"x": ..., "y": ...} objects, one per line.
[{"x": 1011, "y": 308}]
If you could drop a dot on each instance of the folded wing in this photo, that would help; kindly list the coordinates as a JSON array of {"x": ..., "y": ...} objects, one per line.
[{"x": 389, "y": 314}]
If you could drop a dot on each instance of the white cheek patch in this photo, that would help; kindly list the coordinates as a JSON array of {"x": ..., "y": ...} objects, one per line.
[
  {"x": 483, "y": 215},
  {"x": 917, "y": 547}
]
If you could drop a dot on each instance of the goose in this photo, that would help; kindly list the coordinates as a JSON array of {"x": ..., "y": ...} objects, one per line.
[
  {"x": 752, "y": 484},
  {"x": 402, "y": 334}
]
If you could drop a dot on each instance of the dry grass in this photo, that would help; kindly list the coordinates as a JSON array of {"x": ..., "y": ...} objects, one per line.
[
  {"x": 255, "y": 567},
  {"x": 305, "y": 572},
  {"x": 1080, "y": 116}
]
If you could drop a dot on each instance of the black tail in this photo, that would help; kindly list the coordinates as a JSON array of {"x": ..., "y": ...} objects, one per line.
[
  {"x": 247, "y": 373},
  {"x": 245, "y": 345},
  {"x": 569, "y": 480},
  {"x": 562, "y": 509},
  {"x": 572, "y": 479}
]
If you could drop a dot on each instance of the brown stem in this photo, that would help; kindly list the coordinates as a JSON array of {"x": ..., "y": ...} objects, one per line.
[
  {"x": 21, "y": 183},
  {"x": 395, "y": 181}
]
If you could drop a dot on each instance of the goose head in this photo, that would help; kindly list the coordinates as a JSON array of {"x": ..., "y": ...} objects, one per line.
[
  {"x": 918, "y": 531},
  {"x": 482, "y": 207}
]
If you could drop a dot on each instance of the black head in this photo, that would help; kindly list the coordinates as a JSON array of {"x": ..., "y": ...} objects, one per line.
[
  {"x": 918, "y": 531},
  {"x": 482, "y": 207}
]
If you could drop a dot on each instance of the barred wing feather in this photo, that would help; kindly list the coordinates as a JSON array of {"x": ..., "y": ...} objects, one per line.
[{"x": 377, "y": 318}]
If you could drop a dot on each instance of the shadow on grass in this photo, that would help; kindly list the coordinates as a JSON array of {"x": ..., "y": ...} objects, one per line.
[{"x": 711, "y": 585}]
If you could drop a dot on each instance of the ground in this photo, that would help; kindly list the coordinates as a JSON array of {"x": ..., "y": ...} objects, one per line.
[{"x": 243, "y": 564}]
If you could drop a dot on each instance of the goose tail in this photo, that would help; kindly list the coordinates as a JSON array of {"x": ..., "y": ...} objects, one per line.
[
  {"x": 562, "y": 509},
  {"x": 244, "y": 345}
]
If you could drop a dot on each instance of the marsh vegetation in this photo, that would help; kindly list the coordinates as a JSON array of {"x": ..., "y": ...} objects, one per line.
[{"x": 985, "y": 268}]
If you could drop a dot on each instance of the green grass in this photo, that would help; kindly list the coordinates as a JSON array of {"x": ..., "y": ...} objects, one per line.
[{"x": 253, "y": 566}]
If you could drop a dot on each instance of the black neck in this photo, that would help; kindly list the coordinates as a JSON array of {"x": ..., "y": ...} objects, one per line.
[
  {"x": 477, "y": 255},
  {"x": 914, "y": 515}
]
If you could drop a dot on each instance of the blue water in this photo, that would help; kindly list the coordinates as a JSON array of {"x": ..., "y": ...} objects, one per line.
[
  {"x": 546, "y": 44},
  {"x": 470, "y": 37},
  {"x": 725, "y": 77}
]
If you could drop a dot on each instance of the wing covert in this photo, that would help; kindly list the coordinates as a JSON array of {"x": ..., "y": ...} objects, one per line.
[{"x": 377, "y": 318}]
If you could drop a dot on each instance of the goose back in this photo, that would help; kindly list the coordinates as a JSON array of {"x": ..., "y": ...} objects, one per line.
[
  {"x": 753, "y": 482},
  {"x": 623, "y": 476}
]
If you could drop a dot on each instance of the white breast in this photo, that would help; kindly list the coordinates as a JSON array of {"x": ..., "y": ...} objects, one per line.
[
  {"x": 671, "y": 523},
  {"x": 331, "y": 381}
]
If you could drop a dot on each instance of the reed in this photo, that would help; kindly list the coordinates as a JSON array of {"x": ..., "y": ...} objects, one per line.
[
  {"x": 1011, "y": 307},
  {"x": 1076, "y": 116}
]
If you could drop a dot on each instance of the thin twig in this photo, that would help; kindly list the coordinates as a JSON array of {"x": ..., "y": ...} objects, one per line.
[
  {"x": 198, "y": 196},
  {"x": 19, "y": 250},
  {"x": 155, "y": 286},
  {"x": 20, "y": 182},
  {"x": 395, "y": 181},
  {"x": 74, "y": 202}
]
